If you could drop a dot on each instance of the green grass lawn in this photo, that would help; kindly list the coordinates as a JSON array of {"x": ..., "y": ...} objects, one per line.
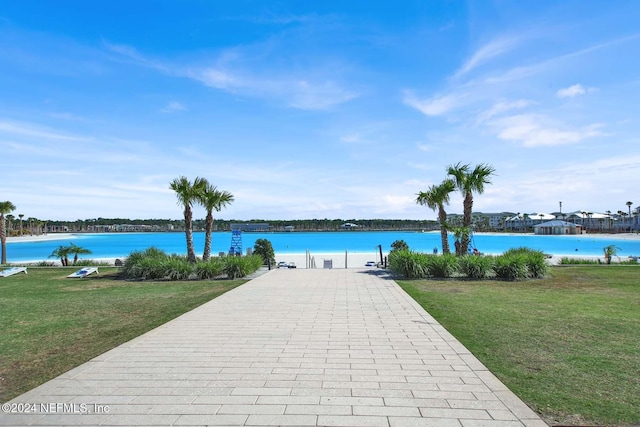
[
  {"x": 568, "y": 345},
  {"x": 50, "y": 324}
]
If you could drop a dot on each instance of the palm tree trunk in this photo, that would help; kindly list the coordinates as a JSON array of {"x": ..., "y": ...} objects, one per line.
[
  {"x": 3, "y": 240},
  {"x": 442, "y": 216},
  {"x": 191, "y": 253},
  {"x": 466, "y": 222},
  {"x": 207, "y": 237}
]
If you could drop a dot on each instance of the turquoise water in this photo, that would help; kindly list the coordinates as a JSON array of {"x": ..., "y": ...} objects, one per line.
[{"x": 118, "y": 245}]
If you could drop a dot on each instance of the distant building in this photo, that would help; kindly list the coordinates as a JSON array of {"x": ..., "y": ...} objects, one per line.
[
  {"x": 496, "y": 220},
  {"x": 258, "y": 226},
  {"x": 527, "y": 220},
  {"x": 349, "y": 225},
  {"x": 557, "y": 227},
  {"x": 482, "y": 220}
]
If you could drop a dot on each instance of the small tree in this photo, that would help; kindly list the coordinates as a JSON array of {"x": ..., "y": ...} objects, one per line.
[
  {"x": 211, "y": 199},
  {"x": 61, "y": 252},
  {"x": 264, "y": 248},
  {"x": 399, "y": 245},
  {"x": 187, "y": 194},
  {"x": 436, "y": 197},
  {"x": 609, "y": 252},
  {"x": 468, "y": 182},
  {"x": 77, "y": 250}
]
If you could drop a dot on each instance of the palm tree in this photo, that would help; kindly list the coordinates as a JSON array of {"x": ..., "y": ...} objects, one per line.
[
  {"x": 435, "y": 198},
  {"x": 630, "y": 220},
  {"x": 468, "y": 182},
  {"x": 61, "y": 252},
  {"x": 21, "y": 216},
  {"x": 211, "y": 198},
  {"x": 5, "y": 208},
  {"x": 76, "y": 250},
  {"x": 187, "y": 194},
  {"x": 609, "y": 252}
]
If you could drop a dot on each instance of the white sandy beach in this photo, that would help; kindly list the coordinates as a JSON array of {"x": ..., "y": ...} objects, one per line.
[
  {"x": 338, "y": 260},
  {"x": 41, "y": 237}
]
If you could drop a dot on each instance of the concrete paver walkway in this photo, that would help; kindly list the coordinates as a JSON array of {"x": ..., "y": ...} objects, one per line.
[{"x": 291, "y": 347}]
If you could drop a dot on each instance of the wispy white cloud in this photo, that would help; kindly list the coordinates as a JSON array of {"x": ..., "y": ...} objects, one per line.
[
  {"x": 533, "y": 130},
  {"x": 303, "y": 93},
  {"x": 173, "y": 106},
  {"x": 232, "y": 72},
  {"x": 308, "y": 95},
  {"x": 571, "y": 91},
  {"x": 573, "y": 182},
  {"x": 131, "y": 53},
  {"x": 32, "y": 130},
  {"x": 487, "y": 52},
  {"x": 67, "y": 116},
  {"x": 519, "y": 72},
  {"x": 502, "y": 107},
  {"x": 216, "y": 78},
  {"x": 437, "y": 105}
]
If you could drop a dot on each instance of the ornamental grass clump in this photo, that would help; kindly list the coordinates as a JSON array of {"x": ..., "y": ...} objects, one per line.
[
  {"x": 535, "y": 262},
  {"x": 409, "y": 264},
  {"x": 578, "y": 261},
  {"x": 147, "y": 269},
  {"x": 511, "y": 267},
  {"x": 236, "y": 267},
  {"x": 155, "y": 264},
  {"x": 177, "y": 268},
  {"x": 442, "y": 266},
  {"x": 144, "y": 264},
  {"x": 476, "y": 266},
  {"x": 210, "y": 269}
]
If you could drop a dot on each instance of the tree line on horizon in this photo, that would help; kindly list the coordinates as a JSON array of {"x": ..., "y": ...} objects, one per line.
[{"x": 312, "y": 224}]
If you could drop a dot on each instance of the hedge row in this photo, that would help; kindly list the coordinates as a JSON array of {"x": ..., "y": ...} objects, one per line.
[
  {"x": 155, "y": 264},
  {"x": 515, "y": 264}
]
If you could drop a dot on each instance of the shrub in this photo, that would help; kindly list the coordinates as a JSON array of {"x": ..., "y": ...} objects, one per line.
[
  {"x": 399, "y": 245},
  {"x": 176, "y": 268},
  {"x": 264, "y": 248},
  {"x": 534, "y": 261},
  {"x": 148, "y": 268},
  {"x": 155, "y": 264},
  {"x": 537, "y": 265},
  {"x": 132, "y": 269},
  {"x": 442, "y": 266},
  {"x": 511, "y": 267},
  {"x": 92, "y": 263},
  {"x": 574, "y": 261},
  {"x": 409, "y": 264},
  {"x": 46, "y": 264},
  {"x": 236, "y": 267},
  {"x": 210, "y": 269},
  {"x": 476, "y": 267}
]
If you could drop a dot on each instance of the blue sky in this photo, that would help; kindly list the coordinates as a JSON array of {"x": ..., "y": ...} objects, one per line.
[{"x": 317, "y": 109}]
